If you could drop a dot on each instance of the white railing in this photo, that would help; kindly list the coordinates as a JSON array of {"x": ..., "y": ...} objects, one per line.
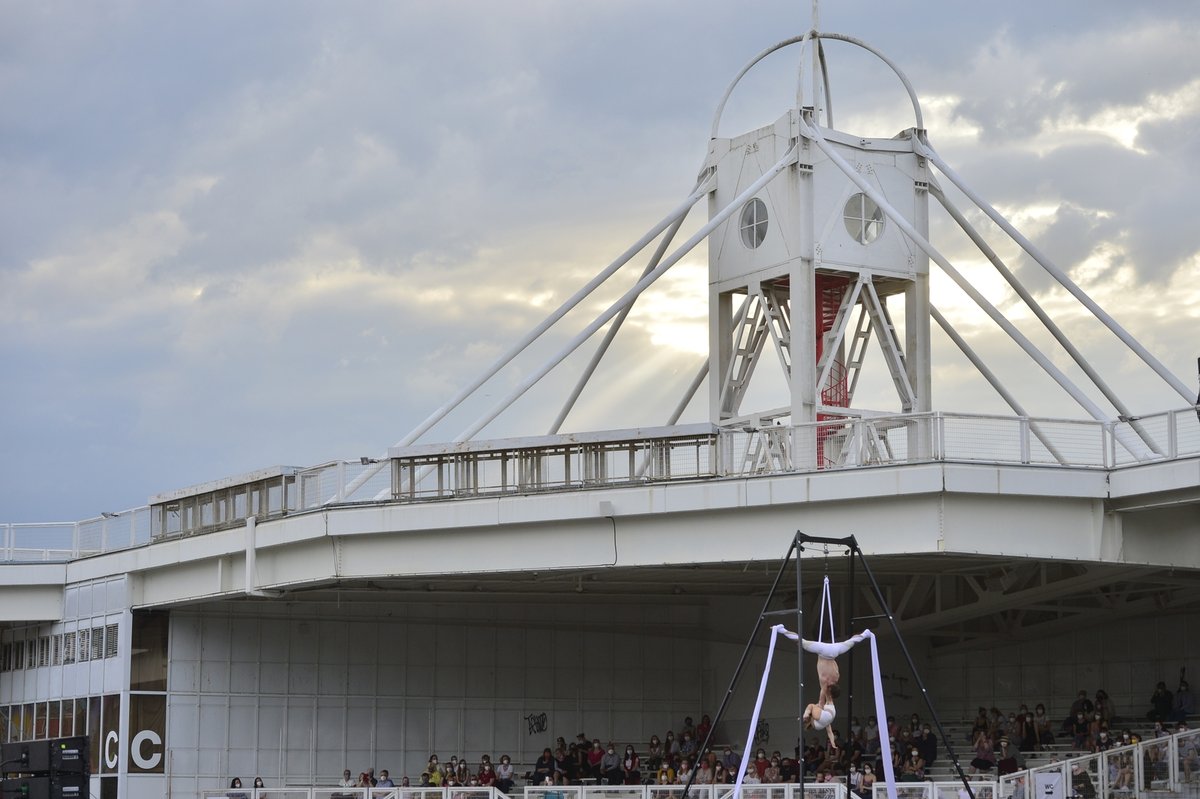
[
  {"x": 936, "y": 790},
  {"x": 831, "y": 790},
  {"x": 1156, "y": 764},
  {"x": 564, "y": 463}
]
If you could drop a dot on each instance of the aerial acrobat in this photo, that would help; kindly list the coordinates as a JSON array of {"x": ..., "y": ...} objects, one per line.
[{"x": 819, "y": 715}]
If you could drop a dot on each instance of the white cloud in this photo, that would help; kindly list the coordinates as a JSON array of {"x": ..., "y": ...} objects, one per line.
[{"x": 230, "y": 238}]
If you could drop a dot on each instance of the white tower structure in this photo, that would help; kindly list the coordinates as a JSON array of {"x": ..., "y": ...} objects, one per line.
[{"x": 809, "y": 264}]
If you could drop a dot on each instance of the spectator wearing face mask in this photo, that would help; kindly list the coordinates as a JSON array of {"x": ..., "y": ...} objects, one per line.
[
  {"x": 868, "y": 781},
  {"x": 1080, "y": 727},
  {"x": 1041, "y": 723},
  {"x": 704, "y": 772},
  {"x": 760, "y": 763},
  {"x": 594, "y": 756},
  {"x": 913, "y": 768},
  {"x": 504, "y": 774},
  {"x": 985, "y": 756},
  {"x": 610, "y": 765},
  {"x": 871, "y": 733},
  {"x": 1029, "y": 738},
  {"x": 1008, "y": 759},
  {"x": 631, "y": 766},
  {"x": 1081, "y": 783},
  {"x": 687, "y": 745},
  {"x": 926, "y": 743}
]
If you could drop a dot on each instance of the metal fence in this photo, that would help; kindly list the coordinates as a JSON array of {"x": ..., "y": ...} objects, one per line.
[
  {"x": 565, "y": 463},
  {"x": 786, "y": 791},
  {"x": 1156, "y": 765}
]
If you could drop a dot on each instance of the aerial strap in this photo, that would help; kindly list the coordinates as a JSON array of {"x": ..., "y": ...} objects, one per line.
[
  {"x": 826, "y": 613},
  {"x": 885, "y": 753}
]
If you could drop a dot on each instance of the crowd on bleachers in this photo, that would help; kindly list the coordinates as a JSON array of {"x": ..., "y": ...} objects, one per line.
[{"x": 996, "y": 744}]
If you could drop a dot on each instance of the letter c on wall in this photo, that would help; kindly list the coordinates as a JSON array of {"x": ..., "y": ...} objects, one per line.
[
  {"x": 135, "y": 749},
  {"x": 111, "y": 744}
]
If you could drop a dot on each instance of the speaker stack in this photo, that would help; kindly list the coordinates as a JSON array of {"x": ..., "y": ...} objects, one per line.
[{"x": 54, "y": 769}]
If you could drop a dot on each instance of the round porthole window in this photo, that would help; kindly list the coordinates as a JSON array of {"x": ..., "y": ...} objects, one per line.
[
  {"x": 864, "y": 219},
  {"x": 754, "y": 223}
]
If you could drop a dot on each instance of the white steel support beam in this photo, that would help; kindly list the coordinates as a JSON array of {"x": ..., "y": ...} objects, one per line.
[
  {"x": 1135, "y": 447},
  {"x": 1044, "y": 317},
  {"x": 633, "y": 293},
  {"x": 1058, "y": 274},
  {"x": 613, "y": 329},
  {"x": 989, "y": 376},
  {"x": 700, "y": 190}
]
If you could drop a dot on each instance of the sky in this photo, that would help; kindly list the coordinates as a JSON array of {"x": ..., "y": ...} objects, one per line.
[{"x": 240, "y": 234}]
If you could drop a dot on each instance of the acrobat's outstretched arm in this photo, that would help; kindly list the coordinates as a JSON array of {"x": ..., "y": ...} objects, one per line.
[{"x": 832, "y": 650}]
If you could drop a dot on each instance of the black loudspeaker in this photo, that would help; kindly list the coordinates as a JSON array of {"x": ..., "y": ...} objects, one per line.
[
  {"x": 58, "y": 786},
  {"x": 55, "y": 769},
  {"x": 25, "y": 757},
  {"x": 26, "y": 788},
  {"x": 69, "y": 786},
  {"x": 69, "y": 755}
]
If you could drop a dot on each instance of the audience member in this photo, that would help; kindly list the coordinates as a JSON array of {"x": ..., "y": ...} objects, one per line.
[
  {"x": 1080, "y": 728},
  {"x": 1160, "y": 702},
  {"x": 985, "y": 756},
  {"x": 543, "y": 768},
  {"x": 1081, "y": 783},
  {"x": 631, "y": 767},
  {"x": 1008, "y": 759},
  {"x": 926, "y": 743},
  {"x": 1184, "y": 703},
  {"x": 654, "y": 753},
  {"x": 610, "y": 765}
]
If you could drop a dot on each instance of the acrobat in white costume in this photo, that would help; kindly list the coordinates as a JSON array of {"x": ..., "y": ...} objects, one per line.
[
  {"x": 822, "y": 712},
  {"x": 821, "y": 715}
]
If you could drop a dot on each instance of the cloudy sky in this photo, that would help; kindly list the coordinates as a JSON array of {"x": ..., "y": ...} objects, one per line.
[{"x": 237, "y": 234}]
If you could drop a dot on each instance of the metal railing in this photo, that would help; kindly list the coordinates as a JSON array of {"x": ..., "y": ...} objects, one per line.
[
  {"x": 565, "y": 463},
  {"x": 936, "y": 790},
  {"x": 831, "y": 790},
  {"x": 1153, "y": 765}
]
